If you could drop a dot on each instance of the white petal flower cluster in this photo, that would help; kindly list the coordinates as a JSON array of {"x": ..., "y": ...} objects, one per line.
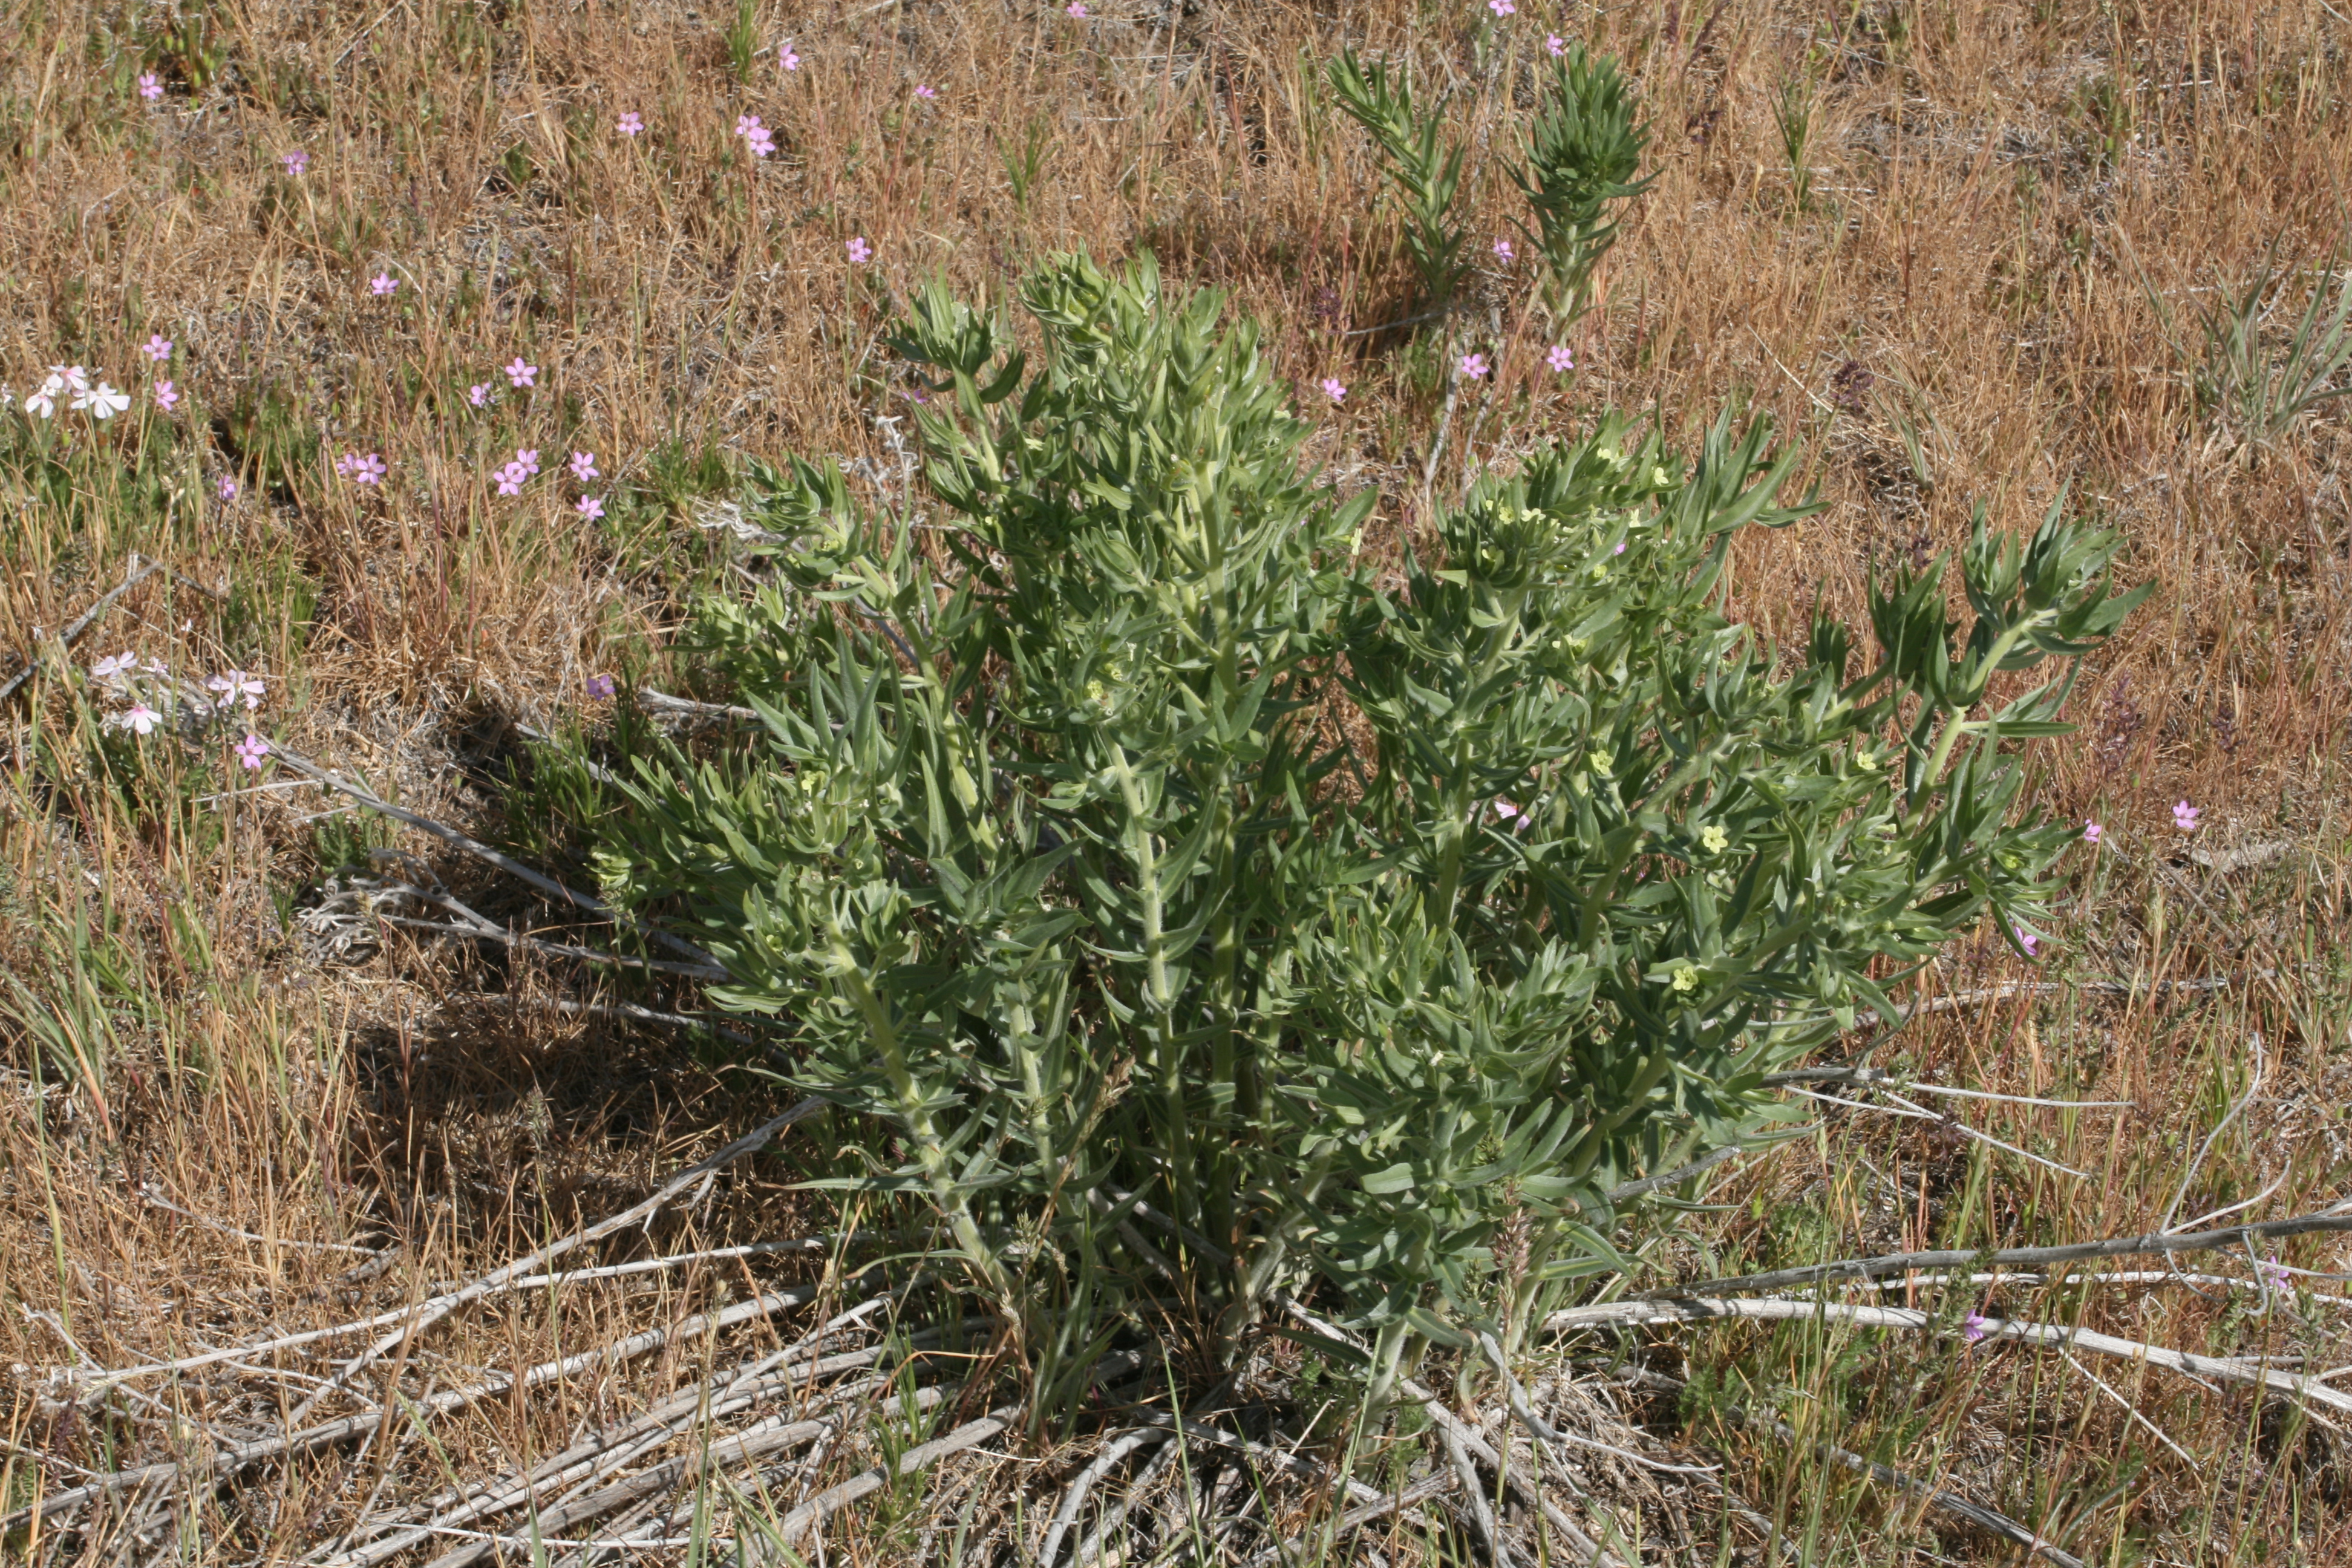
[{"x": 100, "y": 400}]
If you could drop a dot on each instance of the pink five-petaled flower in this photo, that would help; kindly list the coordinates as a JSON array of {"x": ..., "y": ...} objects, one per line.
[
  {"x": 165, "y": 395},
  {"x": 343, "y": 465},
  {"x": 2184, "y": 816},
  {"x": 1556, "y": 44},
  {"x": 142, "y": 718},
  {"x": 231, "y": 685},
  {"x": 591, "y": 507},
  {"x": 2026, "y": 940},
  {"x": 521, "y": 373},
  {"x": 1975, "y": 1326},
  {"x": 758, "y": 137},
  {"x": 786, "y": 59},
  {"x": 511, "y": 478},
  {"x": 479, "y": 395},
  {"x": 151, "y": 85},
  {"x": 584, "y": 466},
  {"x": 2091, "y": 831},
  {"x": 296, "y": 162},
  {"x": 1559, "y": 359},
  {"x": 602, "y": 687},
  {"x": 228, "y": 487},
  {"x": 1503, "y": 249},
  {"x": 860, "y": 253},
  {"x": 1077, "y": 8},
  {"x": 1474, "y": 365},
  {"x": 1501, "y": 8},
  {"x": 2273, "y": 1274},
  {"x": 250, "y": 751},
  {"x": 1334, "y": 388},
  {"x": 923, "y": 89},
  {"x": 367, "y": 470},
  {"x": 382, "y": 283},
  {"x": 527, "y": 459},
  {"x": 629, "y": 124},
  {"x": 157, "y": 347}
]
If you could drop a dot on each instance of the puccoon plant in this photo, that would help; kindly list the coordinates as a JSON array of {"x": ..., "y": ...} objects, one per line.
[{"x": 1193, "y": 913}]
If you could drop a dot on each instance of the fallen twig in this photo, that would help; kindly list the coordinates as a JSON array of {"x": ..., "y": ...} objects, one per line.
[
  {"x": 1958, "y": 1507},
  {"x": 2119, "y": 1246},
  {"x": 1700, "y": 1309},
  {"x": 812, "y": 1514},
  {"x": 139, "y": 574},
  {"x": 476, "y": 847}
]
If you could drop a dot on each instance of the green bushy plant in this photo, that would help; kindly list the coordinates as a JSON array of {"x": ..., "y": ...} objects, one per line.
[
  {"x": 1196, "y": 912},
  {"x": 1584, "y": 161},
  {"x": 1424, "y": 167}
]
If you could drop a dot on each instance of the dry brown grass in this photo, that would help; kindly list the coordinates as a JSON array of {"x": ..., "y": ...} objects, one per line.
[{"x": 1997, "y": 190}]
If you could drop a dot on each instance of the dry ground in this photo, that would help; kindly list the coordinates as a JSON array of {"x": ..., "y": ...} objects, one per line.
[{"x": 217, "y": 1128}]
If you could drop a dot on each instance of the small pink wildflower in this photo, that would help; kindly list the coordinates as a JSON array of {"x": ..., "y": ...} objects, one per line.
[
  {"x": 1507, "y": 811},
  {"x": 142, "y": 718},
  {"x": 758, "y": 137},
  {"x": 786, "y": 59},
  {"x": 1503, "y": 249},
  {"x": 1333, "y": 388},
  {"x": 2026, "y": 940},
  {"x": 1474, "y": 365},
  {"x": 527, "y": 459},
  {"x": 860, "y": 253},
  {"x": 2091, "y": 831},
  {"x": 368, "y": 470},
  {"x": 924, "y": 90},
  {"x": 228, "y": 487},
  {"x": 296, "y": 162},
  {"x": 151, "y": 85},
  {"x": 232, "y": 685},
  {"x": 584, "y": 466},
  {"x": 630, "y": 124},
  {"x": 343, "y": 465},
  {"x": 250, "y": 751},
  {"x": 1077, "y": 8},
  {"x": 1556, "y": 44},
  {"x": 602, "y": 687},
  {"x": 1620, "y": 549},
  {"x": 1975, "y": 1327},
  {"x": 521, "y": 373},
  {"x": 382, "y": 284},
  {"x": 2184, "y": 816},
  {"x": 165, "y": 395},
  {"x": 479, "y": 395},
  {"x": 511, "y": 478},
  {"x": 157, "y": 347},
  {"x": 591, "y": 507},
  {"x": 2273, "y": 1274},
  {"x": 1559, "y": 359},
  {"x": 1501, "y": 8}
]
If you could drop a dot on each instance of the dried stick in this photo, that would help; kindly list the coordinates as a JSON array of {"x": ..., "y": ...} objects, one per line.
[
  {"x": 481, "y": 850},
  {"x": 1958, "y": 1507},
  {"x": 814, "y": 1511},
  {"x": 1588, "y": 1549},
  {"x": 1421, "y": 1491},
  {"x": 435, "y": 1311},
  {"x": 2119, "y": 1246},
  {"x": 234, "y": 1457},
  {"x": 1481, "y": 1513},
  {"x": 2188, "y": 1362},
  {"x": 1074, "y": 1497},
  {"x": 139, "y": 574}
]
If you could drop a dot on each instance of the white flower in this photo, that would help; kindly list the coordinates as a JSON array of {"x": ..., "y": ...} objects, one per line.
[
  {"x": 234, "y": 684},
  {"x": 114, "y": 669},
  {"x": 44, "y": 402},
  {"x": 103, "y": 402},
  {"x": 142, "y": 718},
  {"x": 69, "y": 376}
]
